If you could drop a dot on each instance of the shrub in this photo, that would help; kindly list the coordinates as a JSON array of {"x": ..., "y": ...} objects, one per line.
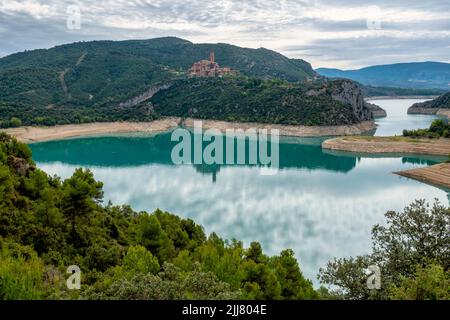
[
  {"x": 139, "y": 259},
  {"x": 21, "y": 274},
  {"x": 15, "y": 122}
]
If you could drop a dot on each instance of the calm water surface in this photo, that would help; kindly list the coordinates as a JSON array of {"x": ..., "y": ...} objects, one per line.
[
  {"x": 321, "y": 204},
  {"x": 398, "y": 119}
]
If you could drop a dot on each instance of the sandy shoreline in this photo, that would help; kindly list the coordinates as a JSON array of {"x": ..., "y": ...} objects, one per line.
[
  {"x": 440, "y": 147},
  {"x": 36, "y": 134},
  {"x": 438, "y": 175},
  {"x": 287, "y": 130}
]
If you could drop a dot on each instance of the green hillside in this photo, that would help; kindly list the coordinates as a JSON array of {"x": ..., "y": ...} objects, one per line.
[
  {"x": 117, "y": 80},
  {"x": 109, "y": 72},
  {"x": 252, "y": 100}
]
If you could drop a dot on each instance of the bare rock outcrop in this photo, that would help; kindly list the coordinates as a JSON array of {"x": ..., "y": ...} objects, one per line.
[
  {"x": 145, "y": 95},
  {"x": 349, "y": 92},
  {"x": 20, "y": 165},
  {"x": 377, "y": 111}
]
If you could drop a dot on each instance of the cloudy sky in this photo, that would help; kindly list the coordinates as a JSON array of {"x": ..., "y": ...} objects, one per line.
[{"x": 327, "y": 33}]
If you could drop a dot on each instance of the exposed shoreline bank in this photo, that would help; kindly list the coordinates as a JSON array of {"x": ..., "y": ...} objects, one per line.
[
  {"x": 438, "y": 175},
  {"x": 38, "y": 134},
  {"x": 373, "y": 145},
  {"x": 442, "y": 112},
  {"x": 287, "y": 130},
  {"x": 32, "y": 134}
]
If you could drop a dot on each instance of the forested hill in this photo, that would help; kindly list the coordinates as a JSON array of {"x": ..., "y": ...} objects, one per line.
[
  {"x": 265, "y": 101},
  {"x": 109, "y": 72},
  {"x": 231, "y": 98}
]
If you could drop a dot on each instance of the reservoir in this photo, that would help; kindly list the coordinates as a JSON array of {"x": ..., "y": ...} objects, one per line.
[{"x": 321, "y": 204}]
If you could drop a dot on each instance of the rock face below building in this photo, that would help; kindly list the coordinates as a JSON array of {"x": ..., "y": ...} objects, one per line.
[
  {"x": 239, "y": 99},
  {"x": 208, "y": 68},
  {"x": 349, "y": 92}
]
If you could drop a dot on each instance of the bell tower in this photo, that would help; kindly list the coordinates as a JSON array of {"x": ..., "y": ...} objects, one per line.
[{"x": 211, "y": 56}]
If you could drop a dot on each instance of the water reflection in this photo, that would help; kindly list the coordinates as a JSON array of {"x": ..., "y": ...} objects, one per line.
[{"x": 321, "y": 204}]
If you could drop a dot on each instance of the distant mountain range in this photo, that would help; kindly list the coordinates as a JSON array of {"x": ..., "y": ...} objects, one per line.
[{"x": 420, "y": 75}]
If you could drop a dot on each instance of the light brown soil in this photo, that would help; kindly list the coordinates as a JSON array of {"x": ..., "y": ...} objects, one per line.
[
  {"x": 35, "y": 134},
  {"x": 287, "y": 130},
  {"x": 438, "y": 174},
  {"x": 389, "y": 145}
]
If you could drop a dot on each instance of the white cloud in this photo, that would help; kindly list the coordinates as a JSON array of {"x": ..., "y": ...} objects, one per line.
[
  {"x": 31, "y": 7},
  {"x": 273, "y": 24}
]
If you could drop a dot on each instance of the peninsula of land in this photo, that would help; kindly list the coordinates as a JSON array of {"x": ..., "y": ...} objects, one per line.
[
  {"x": 438, "y": 174},
  {"x": 397, "y": 144}
]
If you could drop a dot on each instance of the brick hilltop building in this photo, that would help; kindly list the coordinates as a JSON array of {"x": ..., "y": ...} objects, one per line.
[{"x": 208, "y": 68}]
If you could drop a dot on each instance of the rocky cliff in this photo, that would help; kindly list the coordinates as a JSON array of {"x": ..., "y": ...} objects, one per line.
[
  {"x": 349, "y": 92},
  {"x": 377, "y": 111}
]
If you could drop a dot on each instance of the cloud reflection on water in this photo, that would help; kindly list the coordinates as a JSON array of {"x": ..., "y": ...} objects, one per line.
[{"x": 318, "y": 213}]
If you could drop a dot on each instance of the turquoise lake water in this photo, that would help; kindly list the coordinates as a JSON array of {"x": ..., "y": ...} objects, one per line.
[{"x": 321, "y": 204}]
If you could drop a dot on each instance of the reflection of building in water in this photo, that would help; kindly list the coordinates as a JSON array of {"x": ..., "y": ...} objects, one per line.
[
  {"x": 206, "y": 169},
  {"x": 208, "y": 68}
]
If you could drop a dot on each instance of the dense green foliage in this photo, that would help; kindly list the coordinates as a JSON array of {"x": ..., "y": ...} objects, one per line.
[
  {"x": 108, "y": 72},
  {"x": 233, "y": 98},
  {"x": 412, "y": 252},
  {"x": 103, "y": 81},
  {"x": 252, "y": 100},
  {"x": 13, "y": 114},
  {"x": 47, "y": 224},
  {"x": 438, "y": 129}
]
